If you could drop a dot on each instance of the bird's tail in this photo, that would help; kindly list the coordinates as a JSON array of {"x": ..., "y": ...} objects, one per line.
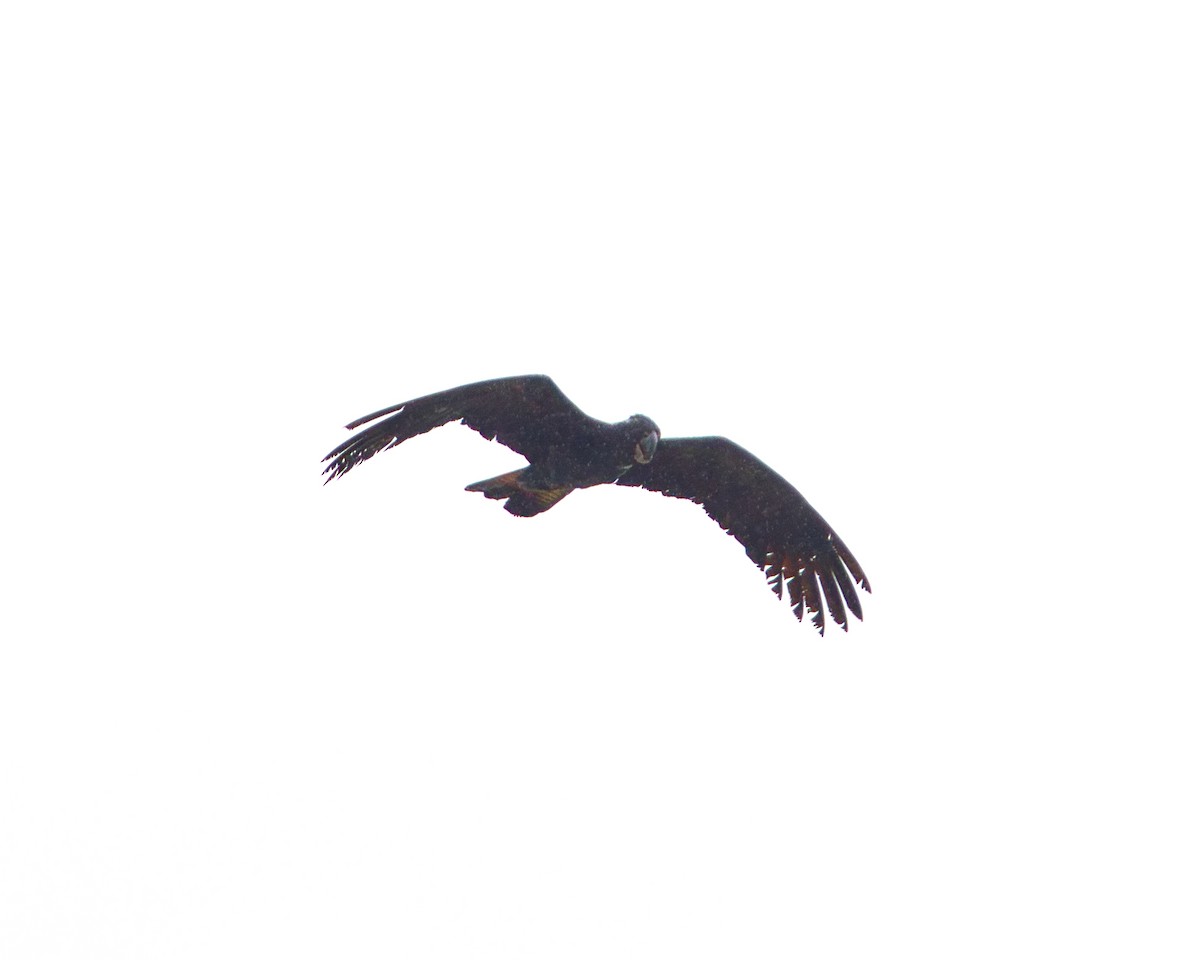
[{"x": 523, "y": 501}]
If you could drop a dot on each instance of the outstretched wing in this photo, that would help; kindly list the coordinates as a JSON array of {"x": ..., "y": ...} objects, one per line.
[
  {"x": 780, "y": 530},
  {"x": 528, "y": 414}
]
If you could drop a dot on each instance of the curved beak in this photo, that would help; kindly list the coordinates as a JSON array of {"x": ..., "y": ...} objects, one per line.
[{"x": 644, "y": 451}]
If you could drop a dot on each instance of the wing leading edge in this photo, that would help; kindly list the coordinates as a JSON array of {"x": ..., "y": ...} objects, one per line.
[{"x": 528, "y": 414}]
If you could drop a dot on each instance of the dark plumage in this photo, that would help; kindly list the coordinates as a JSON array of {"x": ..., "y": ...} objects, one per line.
[{"x": 567, "y": 450}]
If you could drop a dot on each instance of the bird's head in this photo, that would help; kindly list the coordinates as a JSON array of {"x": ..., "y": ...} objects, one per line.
[{"x": 644, "y": 433}]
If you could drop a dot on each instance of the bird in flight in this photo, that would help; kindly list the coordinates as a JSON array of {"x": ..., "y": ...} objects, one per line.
[{"x": 568, "y": 450}]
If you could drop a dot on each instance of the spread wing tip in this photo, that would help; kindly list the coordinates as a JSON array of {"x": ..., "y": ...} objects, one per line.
[{"x": 816, "y": 587}]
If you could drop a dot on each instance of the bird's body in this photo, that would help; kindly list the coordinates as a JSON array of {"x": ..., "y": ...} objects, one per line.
[{"x": 568, "y": 450}]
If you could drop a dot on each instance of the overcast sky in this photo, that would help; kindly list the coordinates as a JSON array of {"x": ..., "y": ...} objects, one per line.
[{"x": 933, "y": 262}]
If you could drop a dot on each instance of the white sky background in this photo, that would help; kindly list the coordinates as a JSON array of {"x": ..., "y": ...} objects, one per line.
[{"x": 935, "y": 263}]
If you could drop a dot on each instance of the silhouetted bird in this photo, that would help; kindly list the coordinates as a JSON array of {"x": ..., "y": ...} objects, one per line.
[{"x": 567, "y": 450}]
